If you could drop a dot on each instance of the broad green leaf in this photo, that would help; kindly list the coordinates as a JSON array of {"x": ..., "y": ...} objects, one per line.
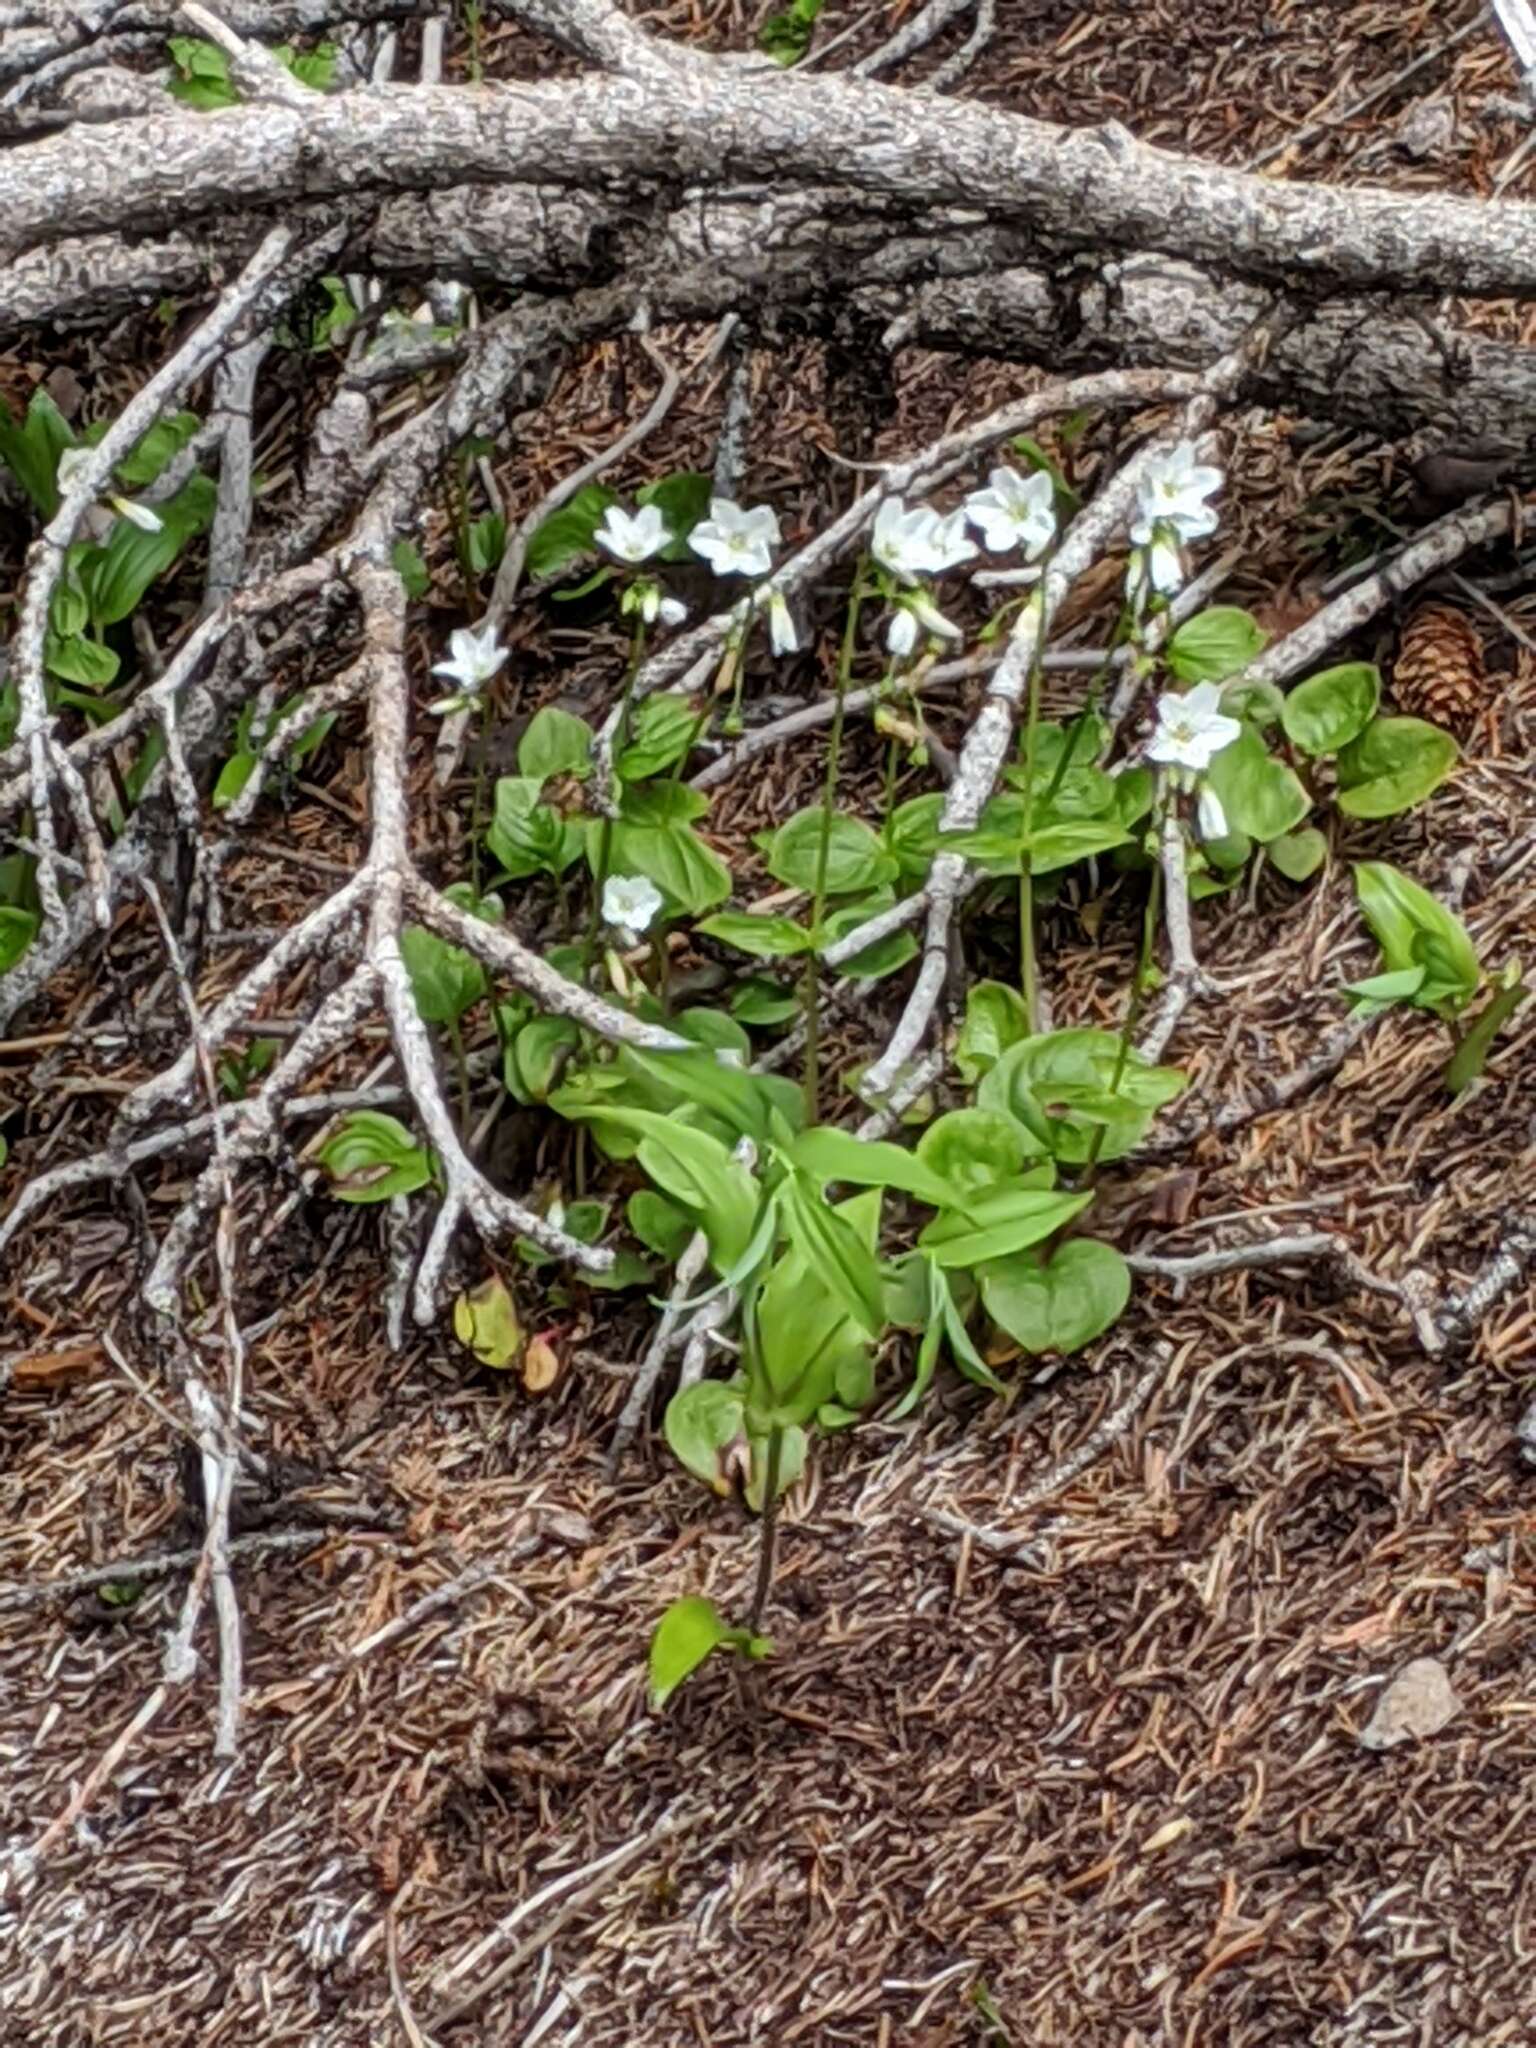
[
  {"x": 116, "y": 576},
  {"x": 683, "y": 500},
  {"x": 1259, "y": 703},
  {"x": 1232, "y": 850},
  {"x": 1062, "y": 1088},
  {"x": 486, "y": 543},
  {"x": 832, "y": 1155},
  {"x": 660, "y": 1225},
  {"x": 1060, "y": 1303},
  {"x": 568, "y": 532},
  {"x": 1259, "y": 794},
  {"x": 694, "y": 1169},
  {"x": 485, "y": 1320},
  {"x": 527, "y": 836},
  {"x": 995, "y": 1225},
  {"x": 556, "y": 743},
  {"x": 684, "y": 1637},
  {"x": 702, "y": 1421},
  {"x": 912, "y": 834},
  {"x": 445, "y": 980},
  {"x": 18, "y": 928},
  {"x": 30, "y": 449},
  {"x": 833, "y": 1250},
  {"x": 79, "y": 660},
  {"x": 164, "y": 441},
  {"x": 995, "y": 1019},
  {"x": 710, "y": 1028},
  {"x": 793, "y": 1446},
  {"x": 1398, "y": 985},
  {"x": 766, "y": 938},
  {"x": 1215, "y": 643},
  {"x": 974, "y": 1148},
  {"x": 1414, "y": 930},
  {"x": 411, "y": 568},
  {"x": 532, "y": 1065},
  {"x": 68, "y": 612},
  {"x": 672, "y": 855},
  {"x": 1298, "y": 855},
  {"x": 855, "y": 858},
  {"x": 1393, "y": 765},
  {"x": 763, "y": 1003},
  {"x": 372, "y": 1157},
  {"x": 663, "y": 729},
  {"x": 884, "y": 956},
  {"x": 730, "y": 1093},
  {"x": 1323, "y": 714}
]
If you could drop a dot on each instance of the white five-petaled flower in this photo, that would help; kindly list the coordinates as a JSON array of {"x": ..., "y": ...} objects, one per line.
[
  {"x": 1015, "y": 512},
  {"x": 951, "y": 544},
  {"x": 735, "y": 541},
  {"x": 782, "y": 637},
  {"x": 473, "y": 658},
  {"x": 70, "y": 462},
  {"x": 917, "y": 612},
  {"x": 1172, "y": 493},
  {"x": 1192, "y": 729},
  {"x": 630, "y": 904},
  {"x": 904, "y": 541},
  {"x": 1209, "y": 814},
  {"x": 633, "y": 536}
]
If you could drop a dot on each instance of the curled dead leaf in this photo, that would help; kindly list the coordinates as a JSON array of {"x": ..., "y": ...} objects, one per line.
[
  {"x": 542, "y": 1365},
  {"x": 1417, "y": 1703}
]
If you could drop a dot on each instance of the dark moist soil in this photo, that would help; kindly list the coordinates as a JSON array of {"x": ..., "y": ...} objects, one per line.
[{"x": 1091, "y": 1767}]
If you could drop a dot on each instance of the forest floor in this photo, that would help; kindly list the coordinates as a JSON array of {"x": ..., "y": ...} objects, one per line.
[{"x": 1051, "y": 1749}]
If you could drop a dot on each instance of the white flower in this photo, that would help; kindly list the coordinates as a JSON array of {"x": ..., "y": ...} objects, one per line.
[
  {"x": 630, "y": 903},
  {"x": 652, "y": 604},
  {"x": 1161, "y": 564},
  {"x": 633, "y": 536},
  {"x": 1192, "y": 730},
  {"x": 473, "y": 658},
  {"x": 918, "y": 612},
  {"x": 904, "y": 542},
  {"x": 1172, "y": 492},
  {"x": 736, "y": 542},
  {"x": 782, "y": 637},
  {"x": 1015, "y": 512},
  {"x": 952, "y": 545},
  {"x": 142, "y": 516},
  {"x": 1209, "y": 815},
  {"x": 901, "y": 634}
]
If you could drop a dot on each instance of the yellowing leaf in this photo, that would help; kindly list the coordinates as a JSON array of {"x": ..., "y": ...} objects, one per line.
[{"x": 485, "y": 1321}]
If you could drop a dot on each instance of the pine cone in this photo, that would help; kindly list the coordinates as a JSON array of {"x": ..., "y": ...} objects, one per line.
[{"x": 1438, "y": 673}]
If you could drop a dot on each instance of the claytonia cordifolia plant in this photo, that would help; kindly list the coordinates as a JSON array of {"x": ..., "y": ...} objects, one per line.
[
  {"x": 633, "y": 537},
  {"x": 630, "y": 904},
  {"x": 735, "y": 541},
  {"x": 1014, "y": 512},
  {"x": 473, "y": 658},
  {"x": 70, "y": 463}
]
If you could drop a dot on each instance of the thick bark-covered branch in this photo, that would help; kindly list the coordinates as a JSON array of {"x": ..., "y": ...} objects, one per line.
[{"x": 709, "y": 124}]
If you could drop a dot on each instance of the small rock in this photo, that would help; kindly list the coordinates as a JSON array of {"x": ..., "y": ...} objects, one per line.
[{"x": 1418, "y": 1702}]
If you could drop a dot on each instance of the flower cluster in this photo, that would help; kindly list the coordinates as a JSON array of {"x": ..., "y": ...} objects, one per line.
[
  {"x": 911, "y": 542},
  {"x": 1170, "y": 510}
]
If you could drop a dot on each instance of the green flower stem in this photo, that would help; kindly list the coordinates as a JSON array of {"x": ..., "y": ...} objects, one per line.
[
  {"x": 1150, "y": 916},
  {"x": 1028, "y": 973},
  {"x": 605, "y": 830},
  {"x": 1125, "y": 630},
  {"x": 811, "y": 986},
  {"x": 768, "y": 1538}
]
